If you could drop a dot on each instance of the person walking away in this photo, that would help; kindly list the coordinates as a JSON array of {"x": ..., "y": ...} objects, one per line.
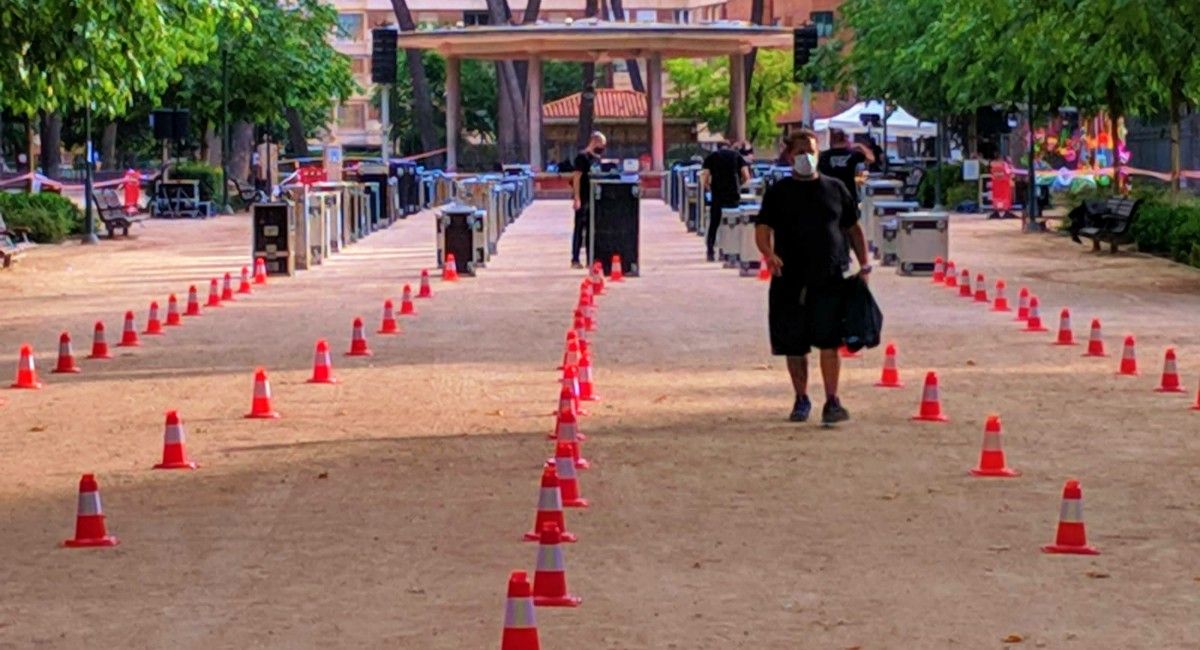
[
  {"x": 802, "y": 231},
  {"x": 842, "y": 159},
  {"x": 723, "y": 173},
  {"x": 581, "y": 184}
]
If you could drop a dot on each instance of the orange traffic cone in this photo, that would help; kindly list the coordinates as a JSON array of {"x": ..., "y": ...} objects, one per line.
[
  {"x": 566, "y": 430},
  {"x": 549, "y": 508},
  {"x": 1034, "y": 323},
  {"x": 964, "y": 285},
  {"x": 562, "y": 421},
  {"x": 227, "y": 288},
  {"x": 931, "y": 403},
  {"x": 153, "y": 324},
  {"x": 1128, "y": 358},
  {"x": 570, "y": 381},
  {"x": 388, "y": 326},
  {"x": 981, "y": 289},
  {"x": 66, "y": 357},
  {"x": 764, "y": 271},
  {"x": 358, "y": 341},
  {"x": 322, "y": 365},
  {"x": 550, "y": 580},
  {"x": 579, "y": 326},
  {"x": 450, "y": 269},
  {"x": 193, "y": 304},
  {"x": 90, "y": 529},
  {"x": 260, "y": 406},
  {"x": 1072, "y": 535},
  {"x": 939, "y": 270},
  {"x": 244, "y": 282},
  {"x": 991, "y": 457},
  {"x": 520, "y": 626},
  {"x": 173, "y": 318},
  {"x": 406, "y": 303},
  {"x": 1001, "y": 301},
  {"x": 587, "y": 390},
  {"x": 951, "y": 274},
  {"x": 846, "y": 353},
  {"x": 597, "y": 278},
  {"x": 1095, "y": 346},
  {"x": 585, "y": 310},
  {"x": 1170, "y": 375},
  {"x": 129, "y": 337},
  {"x": 568, "y": 480},
  {"x": 426, "y": 290},
  {"x": 1023, "y": 305},
  {"x": 214, "y": 294},
  {"x": 566, "y": 402},
  {"x": 616, "y": 272},
  {"x": 1066, "y": 335},
  {"x": 260, "y": 271},
  {"x": 571, "y": 354},
  {"x": 174, "y": 454},
  {"x": 26, "y": 371},
  {"x": 99, "y": 343},
  {"x": 890, "y": 377},
  {"x": 1196, "y": 406}
]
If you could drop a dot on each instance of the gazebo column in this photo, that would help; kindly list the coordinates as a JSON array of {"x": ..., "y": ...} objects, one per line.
[
  {"x": 535, "y": 113},
  {"x": 453, "y": 111},
  {"x": 654, "y": 110},
  {"x": 737, "y": 99}
]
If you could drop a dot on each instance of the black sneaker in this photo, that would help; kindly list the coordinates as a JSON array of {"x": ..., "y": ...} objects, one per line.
[
  {"x": 712, "y": 257},
  {"x": 801, "y": 409},
  {"x": 576, "y": 265},
  {"x": 834, "y": 412}
]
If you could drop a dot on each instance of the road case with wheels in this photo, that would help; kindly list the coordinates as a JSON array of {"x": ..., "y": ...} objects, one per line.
[
  {"x": 614, "y": 226},
  {"x": 274, "y": 236},
  {"x": 461, "y": 232},
  {"x": 921, "y": 237}
]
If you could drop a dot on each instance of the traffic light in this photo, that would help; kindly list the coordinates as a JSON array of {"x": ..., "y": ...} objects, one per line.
[
  {"x": 804, "y": 41},
  {"x": 383, "y": 55}
]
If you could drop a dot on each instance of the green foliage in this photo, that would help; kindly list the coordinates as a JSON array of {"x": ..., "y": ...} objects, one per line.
[
  {"x": 951, "y": 177},
  {"x": 1169, "y": 226},
  {"x": 49, "y": 217},
  {"x": 479, "y": 94},
  {"x": 702, "y": 93},
  {"x": 210, "y": 177}
]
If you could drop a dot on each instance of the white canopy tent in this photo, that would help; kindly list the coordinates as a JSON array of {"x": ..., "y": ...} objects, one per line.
[{"x": 901, "y": 124}]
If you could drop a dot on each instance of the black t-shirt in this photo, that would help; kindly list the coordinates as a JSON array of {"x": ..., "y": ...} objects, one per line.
[
  {"x": 583, "y": 164},
  {"x": 809, "y": 219},
  {"x": 841, "y": 163},
  {"x": 725, "y": 171}
]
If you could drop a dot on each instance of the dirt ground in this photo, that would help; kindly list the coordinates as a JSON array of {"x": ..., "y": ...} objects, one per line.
[{"x": 386, "y": 511}]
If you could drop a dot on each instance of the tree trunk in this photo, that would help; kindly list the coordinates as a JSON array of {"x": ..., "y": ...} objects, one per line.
[
  {"x": 240, "y": 147},
  {"x": 757, "y": 9},
  {"x": 513, "y": 94},
  {"x": 213, "y": 146},
  {"x": 532, "y": 9},
  {"x": 1116, "y": 108},
  {"x": 506, "y": 140},
  {"x": 108, "y": 146},
  {"x": 1176, "y": 144},
  {"x": 51, "y": 141},
  {"x": 587, "y": 101},
  {"x": 297, "y": 142},
  {"x": 32, "y": 162},
  {"x": 635, "y": 72},
  {"x": 422, "y": 105}
]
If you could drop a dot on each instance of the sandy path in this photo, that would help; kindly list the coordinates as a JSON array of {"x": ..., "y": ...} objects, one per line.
[{"x": 715, "y": 524}]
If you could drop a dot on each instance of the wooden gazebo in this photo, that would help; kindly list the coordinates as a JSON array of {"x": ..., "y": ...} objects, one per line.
[{"x": 598, "y": 41}]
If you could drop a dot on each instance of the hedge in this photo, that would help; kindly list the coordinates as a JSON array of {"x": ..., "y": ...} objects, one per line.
[
  {"x": 210, "y": 177},
  {"x": 49, "y": 217},
  {"x": 1169, "y": 226}
]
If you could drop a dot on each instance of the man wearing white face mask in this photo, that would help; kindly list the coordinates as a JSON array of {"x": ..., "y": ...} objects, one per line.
[{"x": 802, "y": 230}]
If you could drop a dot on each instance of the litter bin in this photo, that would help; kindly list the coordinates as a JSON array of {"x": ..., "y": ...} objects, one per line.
[
  {"x": 461, "y": 232},
  {"x": 614, "y": 226},
  {"x": 274, "y": 236},
  {"x": 921, "y": 237}
]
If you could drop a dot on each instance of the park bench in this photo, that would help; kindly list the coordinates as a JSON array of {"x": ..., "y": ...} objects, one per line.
[
  {"x": 13, "y": 243},
  {"x": 1112, "y": 224},
  {"x": 113, "y": 214},
  {"x": 247, "y": 193}
]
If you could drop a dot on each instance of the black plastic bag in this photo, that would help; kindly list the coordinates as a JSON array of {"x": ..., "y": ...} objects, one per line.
[{"x": 864, "y": 319}]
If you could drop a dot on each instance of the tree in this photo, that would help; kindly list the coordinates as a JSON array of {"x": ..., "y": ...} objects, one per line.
[
  {"x": 703, "y": 93},
  {"x": 587, "y": 101},
  {"x": 422, "y": 104},
  {"x": 478, "y": 87}
]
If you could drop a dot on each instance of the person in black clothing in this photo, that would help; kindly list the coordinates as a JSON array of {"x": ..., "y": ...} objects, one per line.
[
  {"x": 581, "y": 184},
  {"x": 802, "y": 231},
  {"x": 841, "y": 160},
  {"x": 723, "y": 172}
]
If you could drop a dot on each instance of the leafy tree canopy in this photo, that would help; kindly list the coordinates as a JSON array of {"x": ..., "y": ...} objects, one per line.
[{"x": 702, "y": 93}]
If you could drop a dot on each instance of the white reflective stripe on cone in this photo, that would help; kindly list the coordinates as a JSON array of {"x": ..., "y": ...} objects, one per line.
[
  {"x": 889, "y": 362},
  {"x": 550, "y": 558},
  {"x": 1033, "y": 312},
  {"x": 568, "y": 431},
  {"x": 26, "y": 362},
  {"x": 565, "y": 467},
  {"x": 550, "y": 499},
  {"x": 262, "y": 389},
  {"x": 585, "y": 374},
  {"x": 1066, "y": 323},
  {"x": 173, "y": 434},
  {"x": 154, "y": 312},
  {"x": 931, "y": 394},
  {"x": 991, "y": 441},
  {"x": 89, "y": 503},
  {"x": 1169, "y": 367},
  {"x": 518, "y": 613},
  {"x": 565, "y": 404},
  {"x": 64, "y": 348},
  {"x": 1071, "y": 511}
]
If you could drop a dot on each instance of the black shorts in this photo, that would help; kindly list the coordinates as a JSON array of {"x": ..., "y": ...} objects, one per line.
[{"x": 804, "y": 317}]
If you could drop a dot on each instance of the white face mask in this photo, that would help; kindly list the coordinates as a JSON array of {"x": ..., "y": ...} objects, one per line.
[{"x": 805, "y": 164}]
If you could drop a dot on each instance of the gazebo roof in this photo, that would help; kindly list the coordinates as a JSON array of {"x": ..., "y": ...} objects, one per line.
[{"x": 593, "y": 40}]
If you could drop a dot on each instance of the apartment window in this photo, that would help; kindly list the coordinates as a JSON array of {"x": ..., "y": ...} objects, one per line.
[
  {"x": 476, "y": 18},
  {"x": 350, "y": 27},
  {"x": 824, "y": 23},
  {"x": 352, "y": 116}
]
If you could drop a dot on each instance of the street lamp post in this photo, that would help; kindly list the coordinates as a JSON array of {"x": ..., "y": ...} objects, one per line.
[
  {"x": 225, "y": 128},
  {"x": 89, "y": 226}
]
